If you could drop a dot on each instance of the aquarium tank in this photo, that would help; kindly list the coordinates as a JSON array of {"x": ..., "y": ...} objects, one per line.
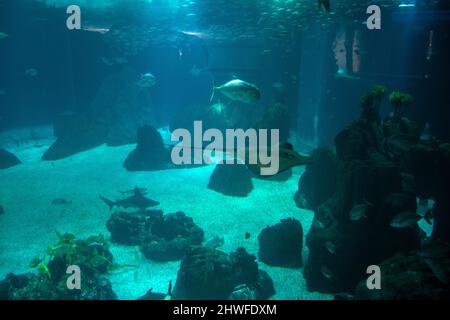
[{"x": 224, "y": 150}]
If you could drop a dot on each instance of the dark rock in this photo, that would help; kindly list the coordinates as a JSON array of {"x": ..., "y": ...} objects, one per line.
[
  {"x": 264, "y": 286},
  {"x": 169, "y": 237},
  {"x": 406, "y": 276},
  {"x": 129, "y": 228},
  {"x": 209, "y": 274},
  {"x": 7, "y": 159},
  {"x": 150, "y": 153},
  {"x": 318, "y": 182},
  {"x": 281, "y": 244},
  {"x": 231, "y": 180},
  {"x": 80, "y": 136},
  {"x": 112, "y": 118}
]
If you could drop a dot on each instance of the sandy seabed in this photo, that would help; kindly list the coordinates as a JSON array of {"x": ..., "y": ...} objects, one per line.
[{"x": 28, "y": 226}]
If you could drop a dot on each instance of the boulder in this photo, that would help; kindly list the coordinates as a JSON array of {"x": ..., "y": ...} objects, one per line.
[
  {"x": 150, "y": 153},
  {"x": 281, "y": 245},
  {"x": 231, "y": 180},
  {"x": 131, "y": 229},
  {"x": 410, "y": 276},
  {"x": 7, "y": 159}
]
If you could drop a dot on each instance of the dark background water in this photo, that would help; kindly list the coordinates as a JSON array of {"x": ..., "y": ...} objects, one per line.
[{"x": 70, "y": 69}]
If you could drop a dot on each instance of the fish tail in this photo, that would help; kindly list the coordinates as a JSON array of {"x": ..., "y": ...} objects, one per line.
[{"x": 108, "y": 202}]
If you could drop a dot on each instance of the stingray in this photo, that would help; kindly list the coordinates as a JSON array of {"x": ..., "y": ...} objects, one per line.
[
  {"x": 288, "y": 158},
  {"x": 137, "y": 200}
]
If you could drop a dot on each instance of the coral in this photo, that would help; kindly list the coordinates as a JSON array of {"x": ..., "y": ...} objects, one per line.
[
  {"x": 400, "y": 100},
  {"x": 231, "y": 180},
  {"x": 49, "y": 283},
  {"x": 281, "y": 244},
  {"x": 207, "y": 273},
  {"x": 168, "y": 237}
]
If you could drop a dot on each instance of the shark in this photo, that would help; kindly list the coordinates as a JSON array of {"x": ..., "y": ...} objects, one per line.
[{"x": 137, "y": 200}]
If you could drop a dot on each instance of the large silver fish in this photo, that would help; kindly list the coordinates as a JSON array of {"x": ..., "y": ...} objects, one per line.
[{"x": 239, "y": 90}]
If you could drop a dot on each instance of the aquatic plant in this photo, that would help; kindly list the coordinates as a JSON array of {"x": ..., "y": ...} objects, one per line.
[
  {"x": 374, "y": 97},
  {"x": 400, "y": 100}
]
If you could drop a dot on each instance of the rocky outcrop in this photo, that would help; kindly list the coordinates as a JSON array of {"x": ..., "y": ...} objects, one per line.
[
  {"x": 209, "y": 274},
  {"x": 8, "y": 159},
  {"x": 150, "y": 153},
  {"x": 281, "y": 244},
  {"x": 93, "y": 257},
  {"x": 118, "y": 110},
  {"x": 231, "y": 180},
  {"x": 341, "y": 245}
]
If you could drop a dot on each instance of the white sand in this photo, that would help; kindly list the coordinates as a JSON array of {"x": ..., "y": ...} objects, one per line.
[{"x": 28, "y": 225}]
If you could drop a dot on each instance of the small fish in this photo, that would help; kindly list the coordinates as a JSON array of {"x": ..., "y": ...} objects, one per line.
[
  {"x": 405, "y": 219},
  {"x": 331, "y": 247},
  {"x": 147, "y": 80},
  {"x": 247, "y": 235},
  {"x": 3, "y": 35},
  {"x": 31, "y": 72},
  {"x": 60, "y": 201},
  {"x": 215, "y": 242},
  {"x": 359, "y": 211},
  {"x": 239, "y": 90},
  {"x": 195, "y": 71},
  {"x": 326, "y": 272},
  {"x": 137, "y": 200}
]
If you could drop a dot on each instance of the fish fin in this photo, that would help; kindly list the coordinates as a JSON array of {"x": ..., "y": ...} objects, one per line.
[
  {"x": 108, "y": 202},
  {"x": 213, "y": 90}
]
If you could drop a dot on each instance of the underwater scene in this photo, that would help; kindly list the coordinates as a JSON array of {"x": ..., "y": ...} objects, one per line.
[{"x": 224, "y": 149}]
